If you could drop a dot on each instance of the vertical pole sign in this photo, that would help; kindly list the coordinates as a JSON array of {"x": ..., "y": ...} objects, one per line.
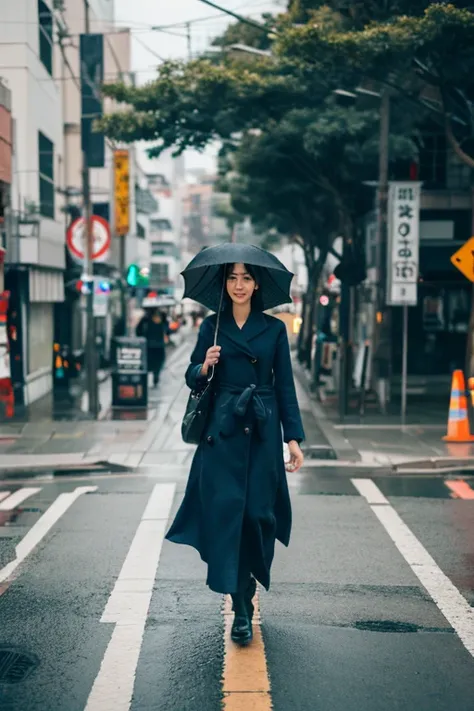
[
  {"x": 92, "y": 78},
  {"x": 122, "y": 216},
  {"x": 122, "y": 192},
  {"x": 403, "y": 259}
]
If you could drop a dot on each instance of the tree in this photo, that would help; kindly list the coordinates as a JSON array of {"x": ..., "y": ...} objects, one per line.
[
  {"x": 407, "y": 55},
  {"x": 300, "y": 159},
  {"x": 361, "y": 13}
]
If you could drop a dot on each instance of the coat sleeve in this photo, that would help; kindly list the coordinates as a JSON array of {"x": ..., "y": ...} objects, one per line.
[
  {"x": 285, "y": 390},
  {"x": 194, "y": 380}
]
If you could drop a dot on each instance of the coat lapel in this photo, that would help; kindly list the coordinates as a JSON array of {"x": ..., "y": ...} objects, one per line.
[
  {"x": 242, "y": 337},
  {"x": 254, "y": 326},
  {"x": 229, "y": 328}
]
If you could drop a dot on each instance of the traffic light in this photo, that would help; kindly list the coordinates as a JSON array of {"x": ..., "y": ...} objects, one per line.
[
  {"x": 138, "y": 276},
  {"x": 133, "y": 273}
]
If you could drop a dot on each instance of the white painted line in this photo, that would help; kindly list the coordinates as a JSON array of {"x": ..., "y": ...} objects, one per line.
[
  {"x": 4, "y": 494},
  {"x": 447, "y": 597},
  {"x": 389, "y": 427},
  {"x": 41, "y": 528},
  {"x": 128, "y": 605},
  {"x": 369, "y": 491},
  {"x": 17, "y": 498}
]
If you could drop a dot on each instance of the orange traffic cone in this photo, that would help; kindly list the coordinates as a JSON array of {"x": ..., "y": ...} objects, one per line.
[{"x": 458, "y": 421}]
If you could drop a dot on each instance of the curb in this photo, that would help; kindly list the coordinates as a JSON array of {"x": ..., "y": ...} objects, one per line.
[{"x": 341, "y": 447}]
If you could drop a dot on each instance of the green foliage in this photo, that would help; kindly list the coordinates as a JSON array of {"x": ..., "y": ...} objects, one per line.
[
  {"x": 361, "y": 13},
  {"x": 407, "y": 54},
  {"x": 191, "y": 104}
]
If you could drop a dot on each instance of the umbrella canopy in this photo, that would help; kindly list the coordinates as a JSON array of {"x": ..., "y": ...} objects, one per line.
[{"x": 204, "y": 274}]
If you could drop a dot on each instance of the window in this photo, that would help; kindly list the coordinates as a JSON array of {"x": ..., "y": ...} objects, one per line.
[
  {"x": 40, "y": 336},
  {"x": 45, "y": 23},
  {"x": 159, "y": 273},
  {"x": 46, "y": 176}
]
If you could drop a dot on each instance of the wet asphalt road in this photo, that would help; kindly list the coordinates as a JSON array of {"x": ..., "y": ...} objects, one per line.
[{"x": 347, "y": 625}]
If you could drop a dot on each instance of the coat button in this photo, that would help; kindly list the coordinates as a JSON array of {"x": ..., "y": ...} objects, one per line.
[
  {"x": 253, "y": 361},
  {"x": 247, "y": 430},
  {"x": 210, "y": 440}
]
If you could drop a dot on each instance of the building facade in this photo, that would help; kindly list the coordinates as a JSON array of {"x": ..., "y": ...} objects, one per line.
[{"x": 35, "y": 259}]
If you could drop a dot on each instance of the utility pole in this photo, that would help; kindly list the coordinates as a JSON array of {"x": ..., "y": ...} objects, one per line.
[
  {"x": 382, "y": 336},
  {"x": 88, "y": 271}
]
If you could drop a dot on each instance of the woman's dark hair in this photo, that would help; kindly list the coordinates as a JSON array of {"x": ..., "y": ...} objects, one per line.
[
  {"x": 249, "y": 268},
  {"x": 254, "y": 272}
]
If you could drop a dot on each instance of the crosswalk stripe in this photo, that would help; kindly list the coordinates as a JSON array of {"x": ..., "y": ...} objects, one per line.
[
  {"x": 41, "y": 528},
  {"x": 128, "y": 605},
  {"x": 447, "y": 597},
  {"x": 4, "y": 494},
  {"x": 17, "y": 498}
]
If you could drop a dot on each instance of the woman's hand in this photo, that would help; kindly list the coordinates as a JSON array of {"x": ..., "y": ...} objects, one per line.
[
  {"x": 296, "y": 457},
  {"x": 212, "y": 358}
]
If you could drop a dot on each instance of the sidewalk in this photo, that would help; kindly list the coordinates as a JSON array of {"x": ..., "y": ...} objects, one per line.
[
  {"x": 66, "y": 438},
  {"x": 380, "y": 440}
]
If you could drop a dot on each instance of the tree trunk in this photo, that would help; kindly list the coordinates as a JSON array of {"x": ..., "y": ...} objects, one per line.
[
  {"x": 312, "y": 307},
  {"x": 304, "y": 316}
]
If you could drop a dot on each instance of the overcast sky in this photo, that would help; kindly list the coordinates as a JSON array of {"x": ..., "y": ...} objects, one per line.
[{"x": 171, "y": 42}]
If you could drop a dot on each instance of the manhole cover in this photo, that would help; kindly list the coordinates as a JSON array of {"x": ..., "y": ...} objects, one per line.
[
  {"x": 15, "y": 665},
  {"x": 386, "y": 626}
]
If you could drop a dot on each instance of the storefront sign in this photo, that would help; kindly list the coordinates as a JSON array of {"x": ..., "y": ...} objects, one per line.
[
  {"x": 122, "y": 192},
  {"x": 129, "y": 377},
  {"x": 403, "y": 243}
]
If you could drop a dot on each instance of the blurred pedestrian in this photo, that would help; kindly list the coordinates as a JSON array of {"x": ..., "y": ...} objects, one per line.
[
  {"x": 236, "y": 502},
  {"x": 154, "y": 327}
]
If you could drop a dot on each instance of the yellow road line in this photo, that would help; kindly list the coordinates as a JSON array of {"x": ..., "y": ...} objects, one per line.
[{"x": 245, "y": 680}]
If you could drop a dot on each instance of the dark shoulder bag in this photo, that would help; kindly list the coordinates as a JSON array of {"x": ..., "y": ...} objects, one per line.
[{"x": 200, "y": 401}]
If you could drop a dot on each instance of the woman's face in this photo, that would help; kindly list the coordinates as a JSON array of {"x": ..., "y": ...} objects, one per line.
[{"x": 240, "y": 285}]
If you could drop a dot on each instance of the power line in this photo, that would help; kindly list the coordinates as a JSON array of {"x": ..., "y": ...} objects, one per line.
[
  {"x": 240, "y": 18},
  {"x": 149, "y": 49}
]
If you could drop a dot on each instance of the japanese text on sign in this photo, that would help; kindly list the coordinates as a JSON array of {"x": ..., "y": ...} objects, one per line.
[
  {"x": 122, "y": 192},
  {"x": 403, "y": 243}
]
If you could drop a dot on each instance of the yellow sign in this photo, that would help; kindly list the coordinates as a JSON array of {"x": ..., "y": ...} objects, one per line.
[
  {"x": 463, "y": 259},
  {"x": 121, "y": 192}
]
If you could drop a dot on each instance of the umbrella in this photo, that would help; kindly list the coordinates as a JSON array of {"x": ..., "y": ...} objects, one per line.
[{"x": 204, "y": 274}]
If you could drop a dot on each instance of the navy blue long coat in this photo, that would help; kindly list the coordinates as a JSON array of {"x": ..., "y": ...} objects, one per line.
[{"x": 238, "y": 470}]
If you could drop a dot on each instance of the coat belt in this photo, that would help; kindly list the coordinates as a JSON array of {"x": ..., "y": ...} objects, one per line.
[{"x": 247, "y": 401}]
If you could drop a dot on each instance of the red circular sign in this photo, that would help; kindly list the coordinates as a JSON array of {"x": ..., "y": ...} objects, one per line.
[{"x": 101, "y": 238}]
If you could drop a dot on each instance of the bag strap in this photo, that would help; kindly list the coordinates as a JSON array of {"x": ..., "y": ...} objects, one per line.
[{"x": 218, "y": 320}]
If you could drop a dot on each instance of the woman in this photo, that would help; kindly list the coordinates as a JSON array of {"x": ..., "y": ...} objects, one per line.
[
  {"x": 154, "y": 327},
  {"x": 237, "y": 502}
]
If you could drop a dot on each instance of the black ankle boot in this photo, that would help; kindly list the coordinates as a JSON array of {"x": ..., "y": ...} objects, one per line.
[
  {"x": 242, "y": 627},
  {"x": 249, "y": 595}
]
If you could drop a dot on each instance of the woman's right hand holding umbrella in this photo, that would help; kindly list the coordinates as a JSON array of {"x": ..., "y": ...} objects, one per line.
[{"x": 212, "y": 358}]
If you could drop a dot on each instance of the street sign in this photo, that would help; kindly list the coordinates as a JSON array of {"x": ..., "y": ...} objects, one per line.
[
  {"x": 76, "y": 235},
  {"x": 403, "y": 243},
  {"x": 122, "y": 192},
  {"x": 463, "y": 259}
]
